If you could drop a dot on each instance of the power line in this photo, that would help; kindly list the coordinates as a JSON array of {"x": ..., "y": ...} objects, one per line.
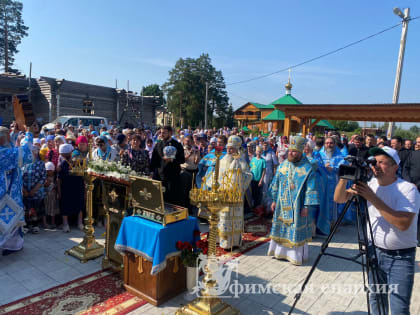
[{"x": 321, "y": 56}]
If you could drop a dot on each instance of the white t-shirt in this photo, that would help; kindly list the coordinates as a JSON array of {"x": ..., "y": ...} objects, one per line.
[{"x": 399, "y": 196}]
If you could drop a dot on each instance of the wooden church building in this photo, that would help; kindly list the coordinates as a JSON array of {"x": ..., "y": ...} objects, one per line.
[{"x": 267, "y": 118}]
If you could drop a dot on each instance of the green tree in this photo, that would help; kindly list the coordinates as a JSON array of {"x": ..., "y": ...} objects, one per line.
[
  {"x": 186, "y": 90},
  {"x": 153, "y": 90},
  {"x": 405, "y": 134},
  {"x": 12, "y": 30},
  {"x": 344, "y": 125},
  {"x": 414, "y": 129}
]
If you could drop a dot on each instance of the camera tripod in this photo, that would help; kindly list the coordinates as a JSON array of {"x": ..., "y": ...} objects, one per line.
[{"x": 369, "y": 259}]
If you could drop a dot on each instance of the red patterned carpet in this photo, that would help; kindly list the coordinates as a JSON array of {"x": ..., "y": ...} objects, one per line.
[
  {"x": 99, "y": 293},
  {"x": 256, "y": 233}
]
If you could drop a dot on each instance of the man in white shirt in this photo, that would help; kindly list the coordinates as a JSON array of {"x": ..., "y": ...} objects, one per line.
[{"x": 393, "y": 205}]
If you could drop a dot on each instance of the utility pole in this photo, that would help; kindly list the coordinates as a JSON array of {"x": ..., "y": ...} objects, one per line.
[
  {"x": 205, "y": 105},
  {"x": 142, "y": 108},
  {"x": 405, "y": 17},
  {"x": 29, "y": 82}
]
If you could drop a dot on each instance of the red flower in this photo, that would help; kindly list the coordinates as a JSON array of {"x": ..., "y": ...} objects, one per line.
[
  {"x": 196, "y": 233},
  {"x": 219, "y": 149},
  {"x": 178, "y": 245},
  {"x": 187, "y": 246}
]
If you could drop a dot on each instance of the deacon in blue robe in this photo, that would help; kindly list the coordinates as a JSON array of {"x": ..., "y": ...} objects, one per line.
[
  {"x": 321, "y": 214},
  {"x": 206, "y": 167},
  {"x": 330, "y": 161},
  {"x": 11, "y": 206}
]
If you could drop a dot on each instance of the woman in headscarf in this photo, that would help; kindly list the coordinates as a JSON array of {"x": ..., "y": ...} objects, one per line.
[
  {"x": 52, "y": 154},
  {"x": 104, "y": 151},
  {"x": 82, "y": 148}
]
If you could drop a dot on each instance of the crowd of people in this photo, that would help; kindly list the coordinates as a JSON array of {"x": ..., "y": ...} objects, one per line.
[
  {"x": 294, "y": 179},
  {"x": 49, "y": 189}
]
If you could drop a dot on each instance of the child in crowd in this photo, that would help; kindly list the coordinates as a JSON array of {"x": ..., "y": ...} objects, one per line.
[
  {"x": 257, "y": 166},
  {"x": 50, "y": 201},
  {"x": 52, "y": 154}
]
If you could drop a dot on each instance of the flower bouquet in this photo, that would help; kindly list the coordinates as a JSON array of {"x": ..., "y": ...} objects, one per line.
[
  {"x": 189, "y": 258},
  {"x": 111, "y": 169},
  {"x": 190, "y": 252}
]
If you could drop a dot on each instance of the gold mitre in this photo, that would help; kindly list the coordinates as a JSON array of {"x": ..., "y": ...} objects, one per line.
[
  {"x": 297, "y": 143},
  {"x": 235, "y": 142}
]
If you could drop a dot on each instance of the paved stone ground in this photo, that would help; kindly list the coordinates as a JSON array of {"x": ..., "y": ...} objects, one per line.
[
  {"x": 42, "y": 265},
  {"x": 257, "y": 268}
]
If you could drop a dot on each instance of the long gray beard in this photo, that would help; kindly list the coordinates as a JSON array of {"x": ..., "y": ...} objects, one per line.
[
  {"x": 328, "y": 154},
  {"x": 227, "y": 161}
]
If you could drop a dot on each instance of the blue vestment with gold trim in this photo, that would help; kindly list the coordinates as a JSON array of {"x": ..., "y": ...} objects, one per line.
[
  {"x": 12, "y": 159},
  {"x": 206, "y": 167},
  {"x": 293, "y": 188}
]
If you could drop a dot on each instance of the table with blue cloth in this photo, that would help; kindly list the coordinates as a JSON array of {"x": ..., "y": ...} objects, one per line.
[{"x": 153, "y": 241}]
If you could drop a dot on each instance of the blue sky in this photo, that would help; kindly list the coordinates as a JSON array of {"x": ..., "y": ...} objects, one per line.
[{"x": 98, "y": 41}]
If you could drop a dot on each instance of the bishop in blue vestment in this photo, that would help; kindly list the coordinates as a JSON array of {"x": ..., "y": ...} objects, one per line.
[{"x": 294, "y": 193}]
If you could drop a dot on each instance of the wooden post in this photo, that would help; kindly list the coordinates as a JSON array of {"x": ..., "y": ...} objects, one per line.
[
  {"x": 286, "y": 128},
  {"x": 304, "y": 127}
]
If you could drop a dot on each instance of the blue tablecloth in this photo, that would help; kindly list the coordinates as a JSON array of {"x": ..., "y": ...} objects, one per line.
[{"x": 154, "y": 241}]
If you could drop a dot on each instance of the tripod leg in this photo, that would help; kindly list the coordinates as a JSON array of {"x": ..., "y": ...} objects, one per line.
[
  {"x": 324, "y": 246},
  {"x": 373, "y": 262},
  {"x": 362, "y": 241}
]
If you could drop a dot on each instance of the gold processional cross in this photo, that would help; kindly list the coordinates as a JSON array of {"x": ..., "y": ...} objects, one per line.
[{"x": 145, "y": 194}]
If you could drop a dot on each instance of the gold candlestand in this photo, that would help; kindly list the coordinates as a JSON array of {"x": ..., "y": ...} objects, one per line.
[
  {"x": 215, "y": 200},
  {"x": 88, "y": 248}
]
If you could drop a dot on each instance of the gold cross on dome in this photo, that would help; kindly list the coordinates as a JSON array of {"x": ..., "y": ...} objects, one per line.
[
  {"x": 113, "y": 195},
  {"x": 145, "y": 194}
]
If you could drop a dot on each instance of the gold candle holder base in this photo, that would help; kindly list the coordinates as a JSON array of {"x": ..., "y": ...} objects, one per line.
[
  {"x": 209, "y": 305},
  {"x": 86, "y": 250},
  {"x": 215, "y": 200}
]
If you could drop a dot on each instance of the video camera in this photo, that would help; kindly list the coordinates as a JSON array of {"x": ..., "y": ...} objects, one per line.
[{"x": 359, "y": 170}]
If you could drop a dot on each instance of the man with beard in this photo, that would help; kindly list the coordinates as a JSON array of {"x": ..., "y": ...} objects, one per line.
[
  {"x": 232, "y": 218},
  {"x": 167, "y": 169},
  {"x": 12, "y": 220},
  {"x": 294, "y": 194},
  {"x": 330, "y": 159}
]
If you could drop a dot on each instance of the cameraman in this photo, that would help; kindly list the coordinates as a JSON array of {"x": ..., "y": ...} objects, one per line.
[{"x": 393, "y": 205}]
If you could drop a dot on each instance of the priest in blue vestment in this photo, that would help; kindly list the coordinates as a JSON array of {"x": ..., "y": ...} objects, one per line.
[
  {"x": 294, "y": 193},
  {"x": 330, "y": 159},
  {"x": 11, "y": 206},
  {"x": 208, "y": 163}
]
